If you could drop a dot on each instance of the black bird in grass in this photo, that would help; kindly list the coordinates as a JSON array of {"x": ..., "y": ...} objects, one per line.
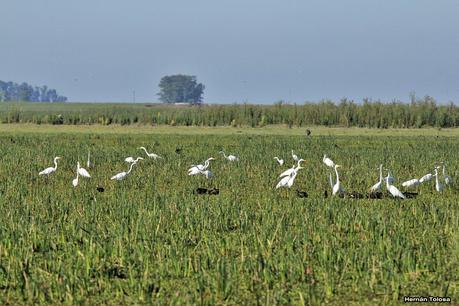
[
  {"x": 325, "y": 194},
  {"x": 375, "y": 195},
  {"x": 100, "y": 189},
  {"x": 213, "y": 191},
  {"x": 355, "y": 195},
  {"x": 410, "y": 195},
  {"x": 200, "y": 190},
  {"x": 301, "y": 194},
  {"x": 178, "y": 150},
  {"x": 308, "y": 132}
]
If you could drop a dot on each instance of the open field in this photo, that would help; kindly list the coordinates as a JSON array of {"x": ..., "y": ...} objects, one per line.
[
  {"x": 149, "y": 239},
  {"x": 274, "y": 130}
]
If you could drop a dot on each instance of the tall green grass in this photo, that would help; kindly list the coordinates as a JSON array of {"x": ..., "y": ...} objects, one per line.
[
  {"x": 149, "y": 239},
  {"x": 421, "y": 113}
]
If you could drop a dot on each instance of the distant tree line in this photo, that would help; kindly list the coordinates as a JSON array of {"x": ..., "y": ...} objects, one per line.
[
  {"x": 10, "y": 91},
  {"x": 424, "y": 112}
]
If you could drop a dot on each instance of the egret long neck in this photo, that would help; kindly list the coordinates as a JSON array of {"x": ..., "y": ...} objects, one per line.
[
  {"x": 130, "y": 168},
  {"x": 380, "y": 173},
  {"x": 337, "y": 175},
  {"x": 55, "y": 163}
]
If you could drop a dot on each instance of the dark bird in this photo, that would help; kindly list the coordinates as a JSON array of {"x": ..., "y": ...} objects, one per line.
[
  {"x": 375, "y": 195},
  {"x": 301, "y": 194},
  {"x": 200, "y": 190},
  {"x": 100, "y": 189},
  {"x": 178, "y": 150},
  {"x": 410, "y": 195},
  {"x": 308, "y": 132},
  {"x": 355, "y": 195},
  {"x": 325, "y": 194},
  {"x": 213, "y": 191}
]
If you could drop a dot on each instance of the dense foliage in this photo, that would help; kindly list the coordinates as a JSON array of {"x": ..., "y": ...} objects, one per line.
[
  {"x": 180, "y": 88},
  {"x": 150, "y": 240},
  {"x": 10, "y": 91},
  {"x": 421, "y": 113}
]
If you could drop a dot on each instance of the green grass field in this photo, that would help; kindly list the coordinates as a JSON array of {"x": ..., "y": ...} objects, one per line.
[{"x": 149, "y": 240}]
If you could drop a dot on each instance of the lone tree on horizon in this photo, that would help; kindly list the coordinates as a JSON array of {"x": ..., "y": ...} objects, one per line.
[{"x": 180, "y": 88}]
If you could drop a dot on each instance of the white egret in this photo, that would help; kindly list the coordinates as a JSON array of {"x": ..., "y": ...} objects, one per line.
[
  {"x": 447, "y": 178},
  {"x": 196, "y": 169},
  {"x": 279, "y": 161},
  {"x": 120, "y": 176},
  {"x": 291, "y": 170},
  {"x": 89, "y": 164},
  {"x": 151, "y": 155},
  {"x": 438, "y": 185},
  {"x": 231, "y": 158},
  {"x": 129, "y": 159},
  {"x": 287, "y": 181},
  {"x": 337, "y": 187},
  {"x": 50, "y": 170},
  {"x": 393, "y": 190},
  {"x": 411, "y": 183},
  {"x": 327, "y": 161},
  {"x": 378, "y": 185},
  {"x": 82, "y": 171},
  {"x": 426, "y": 178},
  {"x": 75, "y": 180},
  {"x": 295, "y": 157}
]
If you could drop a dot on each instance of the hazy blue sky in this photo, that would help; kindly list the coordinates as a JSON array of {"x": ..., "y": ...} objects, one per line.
[{"x": 242, "y": 50}]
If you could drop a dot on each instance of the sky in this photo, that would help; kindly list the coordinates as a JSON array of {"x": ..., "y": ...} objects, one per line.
[{"x": 256, "y": 51}]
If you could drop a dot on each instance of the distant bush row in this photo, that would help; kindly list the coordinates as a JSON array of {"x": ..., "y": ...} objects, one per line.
[{"x": 419, "y": 113}]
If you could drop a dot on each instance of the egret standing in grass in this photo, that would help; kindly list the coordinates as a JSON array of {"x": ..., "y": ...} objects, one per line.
[
  {"x": 426, "y": 178},
  {"x": 291, "y": 170},
  {"x": 288, "y": 180},
  {"x": 196, "y": 169},
  {"x": 447, "y": 178},
  {"x": 438, "y": 185},
  {"x": 231, "y": 158},
  {"x": 89, "y": 164},
  {"x": 411, "y": 183},
  {"x": 150, "y": 155},
  {"x": 378, "y": 185},
  {"x": 50, "y": 170},
  {"x": 279, "y": 161},
  {"x": 82, "y": 171},
  {"x": 120, "y": 176},
  {"x": 327, "y": 161},
  {"x": 75, "y": 180},
  {"x": 337, "y": 187},
  {"x": 393, "y": 190}
]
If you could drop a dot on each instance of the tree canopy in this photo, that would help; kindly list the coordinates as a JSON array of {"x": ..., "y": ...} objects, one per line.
[
  {"x": 180, "y": 88},
  {"x": 10, "y": 91}
]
